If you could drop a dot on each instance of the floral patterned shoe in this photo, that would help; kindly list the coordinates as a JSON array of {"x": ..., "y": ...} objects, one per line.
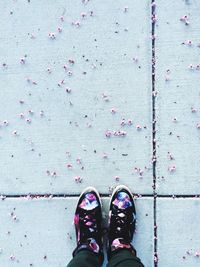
[
  {"x": 122, "y": 218},
  {"x": 87, "y": 221}
]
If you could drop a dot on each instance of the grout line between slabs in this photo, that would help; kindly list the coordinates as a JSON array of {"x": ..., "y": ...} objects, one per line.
[
  {"x": 154, "y": 196},
  {"x": 154, "y": 128}
]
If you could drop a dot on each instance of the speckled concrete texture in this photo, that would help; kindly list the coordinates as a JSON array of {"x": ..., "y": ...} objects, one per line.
[{"x": 99, "y": 93}]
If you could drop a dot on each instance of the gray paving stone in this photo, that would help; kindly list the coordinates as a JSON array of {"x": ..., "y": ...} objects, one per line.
[
  {"x": 178, "y": 232},
  {"x": 42, "y": 232},
  {"x": 103, "y": 48},
  {"x": 177, "y": 131}
]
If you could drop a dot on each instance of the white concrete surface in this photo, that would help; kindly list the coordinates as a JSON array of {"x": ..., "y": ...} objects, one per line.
[
  {"x": 103, "y": 47},
  {"x": 43, "y": 228},
  {"x": 178, "y": 232},
  {"x": 50, "y": 135},
  {"x": 177, "y": 96}
]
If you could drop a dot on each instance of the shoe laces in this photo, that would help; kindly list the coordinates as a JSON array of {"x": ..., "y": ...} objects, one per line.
[
  {"x": 122, "y": 221},
  {"x": 88, "y": 224}
]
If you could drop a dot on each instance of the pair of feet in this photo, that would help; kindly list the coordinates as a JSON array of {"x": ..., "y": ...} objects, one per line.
[{"x": 121, "y": 223}]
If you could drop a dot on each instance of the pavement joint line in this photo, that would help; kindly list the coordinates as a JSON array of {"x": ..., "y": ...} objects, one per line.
[
  {"x": 153, "y": 12},
  {"x": 137, "y": 196}
]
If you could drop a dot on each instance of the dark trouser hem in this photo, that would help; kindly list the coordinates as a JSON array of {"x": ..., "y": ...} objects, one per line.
[
  {"x": 124, "y": 258},
  {"x": 86, "y": 258},
  {"x": 111, "y": 253},
  {"x": 121, "y": 258}
]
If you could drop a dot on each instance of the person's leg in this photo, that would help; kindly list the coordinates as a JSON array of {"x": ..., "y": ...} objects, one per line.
[
  {"x": 85, "y": 258},
  {"x": 87, "y": 221},
  {"x": 124, "y": 258},
  {"x": 121, "y": 228}
]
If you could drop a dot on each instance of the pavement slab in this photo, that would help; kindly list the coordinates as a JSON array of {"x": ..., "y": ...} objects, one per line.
[
  {"x": 178, "y": 232},
  {"x": 178, "y": 100},
  {"x": 71, "y": 73},
  {"x": 40, "y": 232}
]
